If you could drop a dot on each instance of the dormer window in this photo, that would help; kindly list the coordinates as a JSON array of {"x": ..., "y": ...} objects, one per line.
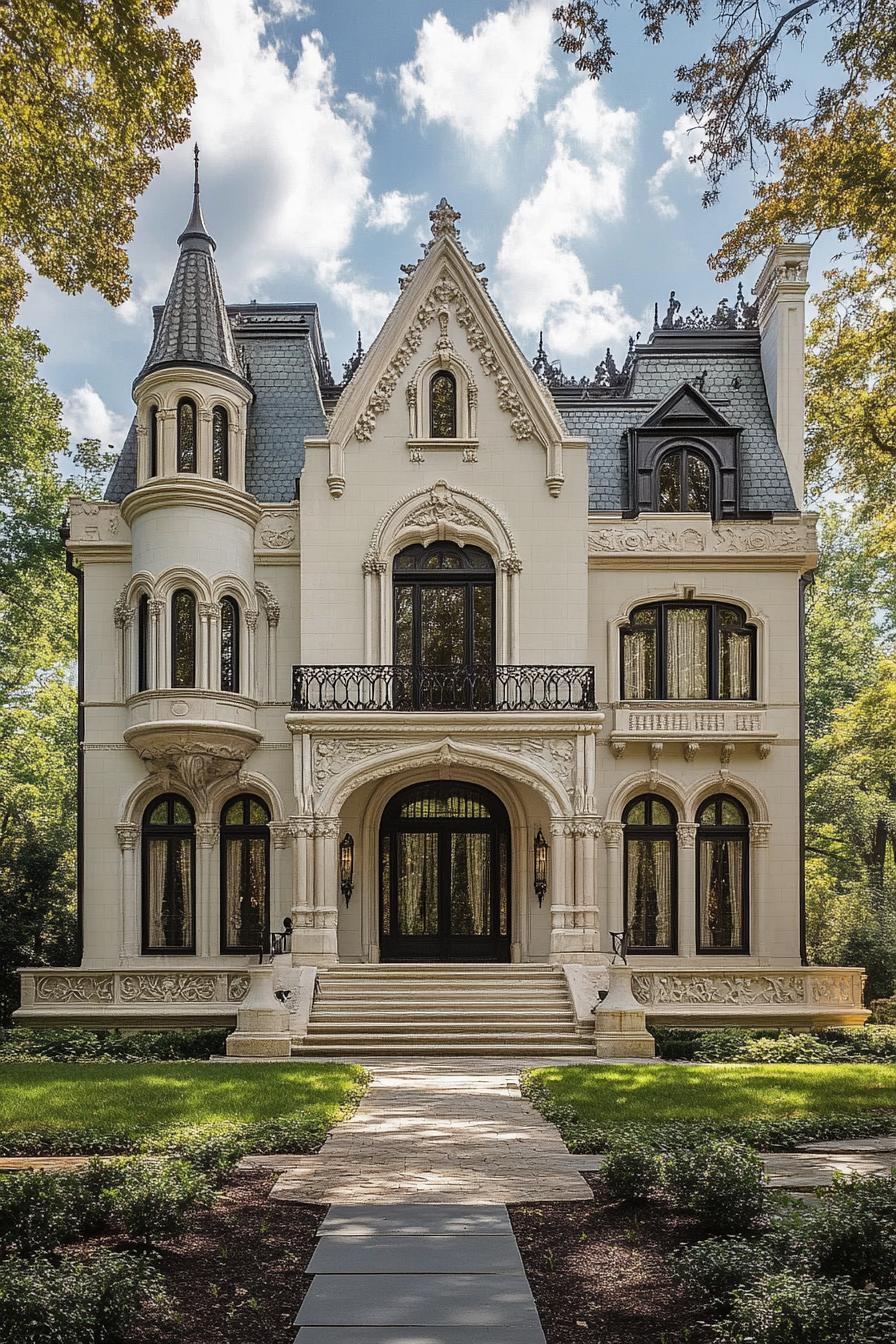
[
  {"x": 186, "y": 435},
  {"x": 443, "y": 406},
  {"x": 684, "y": 483},
  {"x": 220, "y": 465}
]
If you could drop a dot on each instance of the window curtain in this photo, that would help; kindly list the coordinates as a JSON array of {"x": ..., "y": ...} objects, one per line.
[
  {"x": 470, "y": 885},
  {"x": 721, "y": 893},
  {"x": 637, "y": 664},
  {"x": 182, "y": 928},
  {"x": 735, "y": 670},
  {"x": 418, "y": 886},
  {"x": 158, "y": 871},
  {"x": 650, "y": 892},
  {"x": 686, "y": 649}
]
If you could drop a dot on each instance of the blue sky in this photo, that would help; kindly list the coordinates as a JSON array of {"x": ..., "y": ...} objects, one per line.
[{"x": 328, "y": 131}]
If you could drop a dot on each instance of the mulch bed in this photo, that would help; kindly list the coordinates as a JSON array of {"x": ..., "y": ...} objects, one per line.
[
  {"x": 598, "y": 1271},
  {"x": 237, "y": 1277}
]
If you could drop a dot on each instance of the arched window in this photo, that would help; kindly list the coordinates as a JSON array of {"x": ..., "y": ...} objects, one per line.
[
  {"x": 220, "y": 465},
  {"x": 230, "y": 645},
  {"x": 442, "y": 406},
  {"x": 152, "y": 465},
  {"x": 684, "y": 483},
  {"x": 650, "y": 874},
  {"x": 722, "y": 876},
  {"x": 168, "y": 881},
  {"x": 183, "y": 638},
  {"x": 688, "y": 651},
  {"x": 245, "y": 874},
  {"x": 186, "y": 435},
  {"x": 143, "y": 643}
]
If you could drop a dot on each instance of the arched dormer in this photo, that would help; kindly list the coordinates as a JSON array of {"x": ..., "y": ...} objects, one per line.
[
  {"x": 684, "y": 459},
  {"x": 443, "y": 402}
]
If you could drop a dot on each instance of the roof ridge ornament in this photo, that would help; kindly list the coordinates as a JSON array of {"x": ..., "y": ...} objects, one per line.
[
  {"x": 196, "y": 231},
  {"x": 742, "y": 316},
  {"x": 442, "y": 224},
  {"x": 608, "y": 381}
]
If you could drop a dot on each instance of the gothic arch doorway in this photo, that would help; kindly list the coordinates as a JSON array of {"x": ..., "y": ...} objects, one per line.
[{"x": 445, "y": 875}]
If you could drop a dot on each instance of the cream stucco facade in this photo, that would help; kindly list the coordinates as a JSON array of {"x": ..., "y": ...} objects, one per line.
[{"x": 307, "y": 714}]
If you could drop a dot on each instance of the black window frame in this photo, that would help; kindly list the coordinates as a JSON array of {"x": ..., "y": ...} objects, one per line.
[
  {"x": 152, "y": 462},
  {"x": 447, "y": 374},
  {"x": 182, "y": 404},
  {"x": 172, "y": 831},
  {"x": 231, "y": 604},
  {"x": 647, "y": 831},
  {"x": 143, "y": 640},
  {"x": 245, "y": 830},
  {"x": 176, "y": 682},
  {"x": 224, "y": 473},
  {"x": 719, "y": 831},
  {"x": 714, "y": 650},
  {"x": 684, "y": 452}
]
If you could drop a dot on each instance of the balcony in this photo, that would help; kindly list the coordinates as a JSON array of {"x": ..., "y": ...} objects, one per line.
[{"x": 404, "y": 688}]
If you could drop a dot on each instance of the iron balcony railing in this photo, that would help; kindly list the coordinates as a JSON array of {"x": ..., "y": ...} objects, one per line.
[{"x": 371, "y": 687}]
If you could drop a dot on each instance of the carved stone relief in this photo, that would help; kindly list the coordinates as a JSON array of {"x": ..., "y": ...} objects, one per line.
[
  {"x": 727, "y": 538},
  {"x": 663, "y": 987},
  {"x": 168, "y": 987},
  {"x": 74, "y": 988}
]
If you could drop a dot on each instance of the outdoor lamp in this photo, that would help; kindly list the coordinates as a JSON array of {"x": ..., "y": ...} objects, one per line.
[
  {"x": 541, "y": 866},
  {"x": 347, "y": 866}
]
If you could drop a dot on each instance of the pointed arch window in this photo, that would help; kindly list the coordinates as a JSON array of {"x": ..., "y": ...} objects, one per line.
[
  {"x": 183, "y": 638},
  {"x": 684, "y": 483},
  {"x": 220, "y": 426},
  {"x": 230, "y": 645},
  {"x": 245, "y": 874},
  {"x": 650, "y": 874},
  {"x": 143, "y": 643},
  {"x": 152, "y": 465},
  {"x": 443, "y": 405},
  {"x": 723, "y": 854},
  {"x": 168, "y": 876},
  {"x": 186, "y": 434}
]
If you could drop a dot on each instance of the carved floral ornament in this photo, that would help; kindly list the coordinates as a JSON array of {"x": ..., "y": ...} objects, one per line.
[
  {"x": 141, "y": 987},
  {"x": 196, "y": 763},
  {"x": 745, "y": 990},
  {"x": 457, "y": 515},
  {"x": 724, "y": 538}
]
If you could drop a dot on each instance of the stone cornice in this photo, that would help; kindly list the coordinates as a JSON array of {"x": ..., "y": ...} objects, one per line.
[{"x": 197, "y": 492}]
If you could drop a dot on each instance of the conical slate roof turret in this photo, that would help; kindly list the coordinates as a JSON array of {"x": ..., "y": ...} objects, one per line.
[{"x": 194, "y": 327}]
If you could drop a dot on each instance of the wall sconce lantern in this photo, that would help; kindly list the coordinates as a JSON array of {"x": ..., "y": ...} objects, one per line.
[
  {"x": 347, "y": 866},
  {"x": 541, "y": 866}
]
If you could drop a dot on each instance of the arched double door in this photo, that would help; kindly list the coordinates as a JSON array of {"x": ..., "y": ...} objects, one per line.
[{"x": 445, "y": 875}]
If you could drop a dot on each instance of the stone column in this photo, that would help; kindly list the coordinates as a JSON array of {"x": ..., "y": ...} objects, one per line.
[
  {"x": 251, "y": 624},
  {"x": 613, "y": 835},
  {"x": 128, "y": 834},
  {"x": 760, "y": 832},
  {"x": 167, "y": 441},
  {"x": 281, "y": 881},
  {"x": 207, "y": 679},
  {"x": 156, "y": 643},
  {"x": 316, "y": 911},
  {"x": 687, "y": 889},
  {"x": 208, "y": 918}
]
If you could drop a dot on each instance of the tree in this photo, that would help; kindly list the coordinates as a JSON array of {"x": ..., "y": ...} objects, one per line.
[{"x": 90, "y": 92}]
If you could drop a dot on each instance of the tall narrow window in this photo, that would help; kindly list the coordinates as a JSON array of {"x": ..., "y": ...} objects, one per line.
[
  {"x": 650, "y": 874},
  {"x": 143, "y": 644},
  {"x": 737, "y": 653},
  {"x": 152, "y": 465},
  {"x": 639, "y": 655},
  {"x": 230, "y": 645},
  {"x": 443, "y": 406},
  {"x": 168, "y": 882},
  {"x": 688, "y": 651},
  {"x": 684, "y": 483},
  {"x": 186, "y": 435},
  {"x": 722, "y": 876},
  {"x": 183, "y": 638},
  {"x": 245, "y": 876},
  {"x": 220, "y": 465}
]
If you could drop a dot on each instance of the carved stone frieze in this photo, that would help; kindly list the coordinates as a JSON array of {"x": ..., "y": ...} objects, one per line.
[
  {"x": 441, "y": 507},
  {"x": 656, "y": 987},
  {"x": 332, "y": 755},
  {"x": 74, "y": 989},
  {"x": 837, "y": 989},
  {"x": 634, "y": 537},
  {"x": 195, "y": 762},
  {"x": 168, "y": 987},
  {"x": 237, "y": 987}
]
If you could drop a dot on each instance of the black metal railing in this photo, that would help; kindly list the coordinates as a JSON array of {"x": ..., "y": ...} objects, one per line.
[{"x": 405, "y": 687}]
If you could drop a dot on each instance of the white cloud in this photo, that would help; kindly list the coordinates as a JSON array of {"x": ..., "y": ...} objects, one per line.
[
  {"x": 542, "y": 281},
  {"x": 392, "y": 210},
  {"x": 483, "y": 84},
  {"x": 680, "y": 142},
  {"x": 289, "y": 9},
  {"x": 86, "y": 416}
]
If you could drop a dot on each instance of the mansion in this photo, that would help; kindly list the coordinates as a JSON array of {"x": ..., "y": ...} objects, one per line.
[{"x": 458, "y": 671}]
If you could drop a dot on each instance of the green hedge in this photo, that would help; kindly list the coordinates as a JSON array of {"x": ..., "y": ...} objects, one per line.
[
  {"x": 76, "y": 1043},
  {"x": 739, "y": 1045},
  {"x": 75, "y": 1301}
]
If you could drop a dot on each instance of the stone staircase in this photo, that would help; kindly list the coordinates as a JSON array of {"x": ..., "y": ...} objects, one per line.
[{"x": 443, "y": 1009}]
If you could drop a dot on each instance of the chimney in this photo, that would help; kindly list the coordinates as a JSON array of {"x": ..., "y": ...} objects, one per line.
[{"x": 781, "y": 291}]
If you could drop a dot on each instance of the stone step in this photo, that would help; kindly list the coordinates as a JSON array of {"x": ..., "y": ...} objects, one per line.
[
  {"x": 460, "y": 1036},
  {"x": 495, "y": 968},
  {"x": 404, "y": 1012},
  {"x": 423, "y": 988},
  {"x": 443, "y": 1049},
  {"x": 478, "y": 1026}
]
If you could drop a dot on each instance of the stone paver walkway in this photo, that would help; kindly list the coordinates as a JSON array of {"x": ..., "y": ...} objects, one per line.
[
  {"x": 435, "y": 1131},
  {"x": 417, "y": 1274}
]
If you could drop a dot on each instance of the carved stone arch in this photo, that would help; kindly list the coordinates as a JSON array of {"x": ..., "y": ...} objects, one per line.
[
  {"x": 183, "y": 577},
  {"x": 248, "y": 781},
  {"x": 649, "y": 782},
  {"x": 439, "y": 513},
  {"x": 141, "y": 795},
  {"x": 747, "y": 794},
  {"x": 266, "y": 598},
  {"x": 440, "y": 755},
  {"x": 230, "y": 586},
  {"x": 417, "y": 395}
]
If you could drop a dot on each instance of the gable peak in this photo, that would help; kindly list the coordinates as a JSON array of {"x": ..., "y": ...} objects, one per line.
[
  {"x": 443, "y": 221},
  {"x": 687, "y": 404}
]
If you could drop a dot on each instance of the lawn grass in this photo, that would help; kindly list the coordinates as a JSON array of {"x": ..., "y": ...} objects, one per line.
[
  {"x": 610, "y": 1096},
  {"x": 154, "y": 1100}
]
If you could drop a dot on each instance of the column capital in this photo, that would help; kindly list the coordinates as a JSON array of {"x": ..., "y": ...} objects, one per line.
[
  {"x": 300, "y": 826},
  {"x": 207, "y": 834},
  {"x": 128, "y": 833},
  {"x": 687, "y": 834},
  {"x": 281, "y": 832},
  {"x": 760, "y": 832},
  {"x": 612, "y": 833}
]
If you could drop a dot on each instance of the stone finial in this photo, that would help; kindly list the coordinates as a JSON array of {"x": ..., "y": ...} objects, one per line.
[{"x": 443, "y": 221}]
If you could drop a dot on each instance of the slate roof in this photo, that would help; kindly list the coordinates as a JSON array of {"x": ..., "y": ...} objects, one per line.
[{"x": 732, "y": 381}]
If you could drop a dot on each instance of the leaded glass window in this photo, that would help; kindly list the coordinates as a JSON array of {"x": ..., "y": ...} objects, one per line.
[
  {"x": 152, "y": 465},
  {"x": 186, "y": 435},
  {"x": 245, "y": 874},
  {"x": 143, "y": 643},
  {"x": 688, "y": 651},
  {"x": 183, "y": 638},
  {"x": 168, "y": 876},
  {"x": 230, "y": 645},
  {"x": 722, "y": 876},
  {"x": 650, "y": 874},
  {"x": 443, "y": 406},
  {"x": 220, "y": 465}
]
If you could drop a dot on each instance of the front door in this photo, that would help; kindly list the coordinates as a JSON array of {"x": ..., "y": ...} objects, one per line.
[{"x": 445, "y": 875}]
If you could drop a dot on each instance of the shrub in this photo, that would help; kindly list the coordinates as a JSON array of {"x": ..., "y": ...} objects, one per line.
[
  {"x": 153, "y": 1200},
  {"x": 631, "y": 1169},
  {"x": 69, "y": 1301},
  {"x": 787, "y": 1308},
  {"x": 884, "y": 1010},
  {"x": 38, "y": 1211},
  {"x": 737, "y": 1045},
  {"x": 850, "y": 1232},
  {"x": 77, "y": 1043},
  {"x": 722, "y": 1183},
  {"x": 714, "y": 1268}
]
